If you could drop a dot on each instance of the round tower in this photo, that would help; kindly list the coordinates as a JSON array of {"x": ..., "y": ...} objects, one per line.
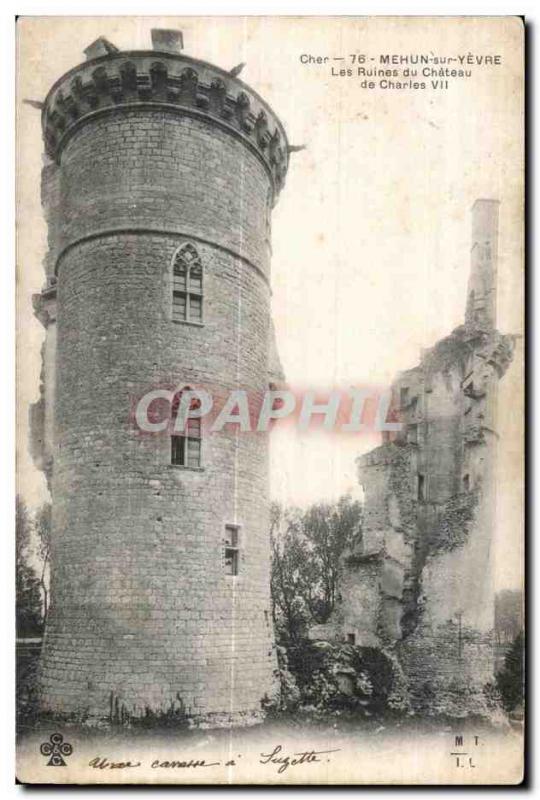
[{"x": 160, "y": 590}]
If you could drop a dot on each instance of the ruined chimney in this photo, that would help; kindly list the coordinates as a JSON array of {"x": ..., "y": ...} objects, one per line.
[
  {"x": 167, "y": 41},
  {"x": 481, "y": 309}
]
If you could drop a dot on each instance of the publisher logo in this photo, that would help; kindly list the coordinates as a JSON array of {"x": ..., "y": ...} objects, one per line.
[{"x": 56, "y": 748}]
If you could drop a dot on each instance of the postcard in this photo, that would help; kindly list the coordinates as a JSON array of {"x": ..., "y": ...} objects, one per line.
[{"x": 270, "y": 436}]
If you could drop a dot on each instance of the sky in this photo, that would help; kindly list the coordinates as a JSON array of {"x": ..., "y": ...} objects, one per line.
[{"x": 371, "y": 233}]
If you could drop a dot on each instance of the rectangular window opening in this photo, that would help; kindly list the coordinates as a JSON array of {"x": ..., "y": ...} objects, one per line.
[
  {"x": 351, "y": 638},
  {"x": 421, "y": 487},
  {"x": 231, "y": 550},
  {"x": 186, "y": 447},
  {"x": 231, "y": 561}
]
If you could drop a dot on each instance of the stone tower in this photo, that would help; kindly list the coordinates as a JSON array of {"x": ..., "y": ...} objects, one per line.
[{"x": 160, "y": 177}]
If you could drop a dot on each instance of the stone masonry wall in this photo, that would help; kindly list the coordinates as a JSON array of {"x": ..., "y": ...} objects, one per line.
[{"x": 157, "y": 170}]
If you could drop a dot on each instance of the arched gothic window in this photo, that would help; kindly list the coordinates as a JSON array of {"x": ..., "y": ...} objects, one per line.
[{"x": 187, "y": 289}]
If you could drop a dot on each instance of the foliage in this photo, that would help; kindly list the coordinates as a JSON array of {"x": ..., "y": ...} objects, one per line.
[
  {"x": 319, "y": 677},
  {"x": 290, "y": 576},
  {"x": 398, "y": 699},
  {"x": 173, "y": 717},
  {"x": 511, "y": 678},
  {"x": 330, "y": 529},
  {"x": 508, "y": 615},
  {"x": 306, "y": 563},
  {"x": 492, "y": 696},
  {"x": 28, "y": 598},
  {"x": 26, "y": 689},
  {"x": 454, "y": 522},
  {"x": 341, "y": 676}
]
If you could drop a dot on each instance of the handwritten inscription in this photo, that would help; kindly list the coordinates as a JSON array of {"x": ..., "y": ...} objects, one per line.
[
  {"x": 275, "y": 758},
  {"x": 184, "y": 764},
  {"x": 283, "y": 762},
  {"x": 104, "y": 763}
]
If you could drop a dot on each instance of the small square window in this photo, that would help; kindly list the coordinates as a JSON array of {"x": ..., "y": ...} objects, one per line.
[{"x": 351, "y": 638}]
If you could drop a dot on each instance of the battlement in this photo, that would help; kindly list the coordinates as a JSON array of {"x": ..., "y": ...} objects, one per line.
[{"x": 117, "y": 80}]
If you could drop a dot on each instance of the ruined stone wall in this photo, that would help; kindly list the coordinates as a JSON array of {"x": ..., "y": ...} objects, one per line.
[
  {"x": 452, "y": 644},
  {"x": 427, "y": 594},
  {"x": 143, "y": 614},
  {"x": 42, "y": 411},
  {"x": 376, "y": 573}
]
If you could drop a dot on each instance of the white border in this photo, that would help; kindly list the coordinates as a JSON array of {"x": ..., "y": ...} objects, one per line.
[{"x": 7, "y": 281}]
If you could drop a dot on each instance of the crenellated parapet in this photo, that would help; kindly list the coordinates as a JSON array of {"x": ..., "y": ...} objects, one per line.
[{"x": 178, "y": 83}]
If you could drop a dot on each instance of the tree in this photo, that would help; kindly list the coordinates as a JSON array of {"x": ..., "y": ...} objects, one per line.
[
  {"x": 330, "y": 529},
  {"x": 43, "y": 525},
  {"x": 508, "y": 615},
  {"x": 510, "y": 680},
  {"x": 289, "y": 556},
  {"x": 307, "y": 548},
  {"x": 28, "y": 599}
]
